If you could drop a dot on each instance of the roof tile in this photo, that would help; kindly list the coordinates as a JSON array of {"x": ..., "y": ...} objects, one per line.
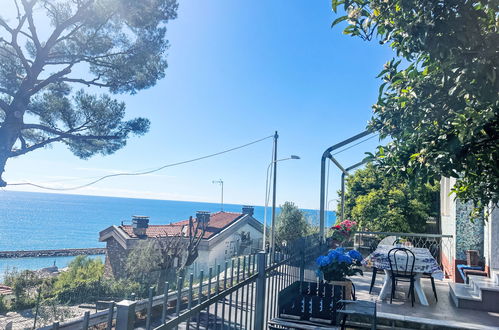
[{"x": 218, "y": 221}]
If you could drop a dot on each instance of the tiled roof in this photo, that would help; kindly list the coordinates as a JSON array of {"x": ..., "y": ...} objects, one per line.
[
  {"x": 155, "y": 230},
  {"x": 5, "y": 290},
  {"x": 218, "y": 221}
]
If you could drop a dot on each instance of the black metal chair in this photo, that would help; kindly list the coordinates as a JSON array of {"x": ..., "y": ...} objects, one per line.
[
  {"x": 434, "y": 252},
  {"x": 402, "y": 267},
  {"x": 389, "y": 240}
]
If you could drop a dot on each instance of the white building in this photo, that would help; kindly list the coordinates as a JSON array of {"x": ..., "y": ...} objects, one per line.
[
  {"x": 227, "y": 235},
  {"x": 480, "y": 235}
]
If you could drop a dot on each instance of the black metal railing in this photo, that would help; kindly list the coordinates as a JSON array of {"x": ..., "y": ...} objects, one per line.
[{"x": 240, "y": 295}]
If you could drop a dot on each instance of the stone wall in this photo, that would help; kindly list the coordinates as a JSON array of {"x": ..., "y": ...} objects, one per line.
[
  {"x": 469, "y": 234},
  {"x": 116, "y": 257}
]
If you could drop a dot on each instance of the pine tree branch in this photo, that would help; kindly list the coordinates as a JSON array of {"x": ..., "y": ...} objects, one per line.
[
  {"x": 5, "y": 25},
  {"x": 15, "y": 45},
  {"x": 50, "y": 80},
  {"x": 93, "y": 82},
  {"x": 4, "y": 105},
  {"x": 70, "y": 134},
  {"x": 60, "y": 136},
  {"x": 28, "y": 8}
]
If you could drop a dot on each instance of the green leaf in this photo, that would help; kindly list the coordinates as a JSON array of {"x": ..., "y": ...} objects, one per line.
[{"x": 339, "y": 20}]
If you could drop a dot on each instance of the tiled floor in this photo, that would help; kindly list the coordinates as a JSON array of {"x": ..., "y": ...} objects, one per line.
[{"x": 443, "y": 310}]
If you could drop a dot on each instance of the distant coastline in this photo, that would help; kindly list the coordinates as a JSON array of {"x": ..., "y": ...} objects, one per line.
[
  {"x": 51, "y": 253},
  {"x": 45, "y": 221}
]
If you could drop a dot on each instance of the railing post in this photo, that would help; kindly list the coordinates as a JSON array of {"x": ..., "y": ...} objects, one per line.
[
  {"x": 110, "y": 316},
  {"x": 260, "y": 292},
  {"x": 149, "y": 308},
  {"x": 86, "y": 318},
  {"x": 125, "y": 315},
  {"x": 165, "y": 302},
  {"x": 302, "y": 266}
]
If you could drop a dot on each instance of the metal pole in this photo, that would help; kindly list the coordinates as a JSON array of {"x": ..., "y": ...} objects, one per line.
[
  {"x": 260, "y": 292},
  {"x": 323, "y": 196},
  {"x": 272, "y": 233},
  {"x": 342, "y": 196},
  {"x": 266, "y": 206},
  {"x": 326, "y": 155},
  {"x": 220, "y": 181}
]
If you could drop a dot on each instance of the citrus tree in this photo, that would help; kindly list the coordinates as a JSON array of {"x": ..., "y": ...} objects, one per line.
[
  {"x": 379, "y": 201},
  {"x": 438, "y": 100}
]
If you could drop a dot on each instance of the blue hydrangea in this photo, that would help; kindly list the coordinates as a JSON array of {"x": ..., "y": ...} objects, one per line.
[
  {"x": 340, "y": 250},
  {"x": 354, "y": 254},
  {"x": 344, "y": 258},
  {"x": 323, "y": 261},
  {"x": 333, "y": 255}
]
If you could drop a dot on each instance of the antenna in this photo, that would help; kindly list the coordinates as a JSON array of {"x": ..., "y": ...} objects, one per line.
[{"x": 221, "y": 183}]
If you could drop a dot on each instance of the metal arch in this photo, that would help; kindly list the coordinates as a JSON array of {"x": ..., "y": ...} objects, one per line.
[
  {"x": 347, "y": 170},
  {"x": 327, "y": 155}
]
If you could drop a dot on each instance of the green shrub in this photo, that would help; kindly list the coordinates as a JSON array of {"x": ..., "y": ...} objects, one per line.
[
  {"x": 23, "y": 284},
  {"x": 84, "y": 282},
  {"x": 379, "y": 201}
]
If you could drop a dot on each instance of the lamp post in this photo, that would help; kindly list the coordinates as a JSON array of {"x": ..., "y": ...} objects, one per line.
[
  {"x": 272, "y": 230},
  {"x": 221, "y": 183}
]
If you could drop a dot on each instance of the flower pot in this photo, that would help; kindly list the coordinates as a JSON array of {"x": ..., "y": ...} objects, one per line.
[{"x": 342, "y": 289}]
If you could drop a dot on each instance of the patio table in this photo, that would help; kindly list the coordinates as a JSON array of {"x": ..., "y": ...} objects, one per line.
[{"x": 423, "y": 264}]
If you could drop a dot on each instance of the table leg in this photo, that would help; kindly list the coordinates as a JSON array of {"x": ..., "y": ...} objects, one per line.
[
  {"x": 387, "y": 285},
  {"x": 419, "y": 291}
]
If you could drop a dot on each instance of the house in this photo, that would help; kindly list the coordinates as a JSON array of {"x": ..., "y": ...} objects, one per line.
[
  {"x": 480, "y": 236},
  {"x": 227, "y": 234}
]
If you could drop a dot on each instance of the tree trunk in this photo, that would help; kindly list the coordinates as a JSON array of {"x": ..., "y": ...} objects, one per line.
[{"x": 9, "y": 133}]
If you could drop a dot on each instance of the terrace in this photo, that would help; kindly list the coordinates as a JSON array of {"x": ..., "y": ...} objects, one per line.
[
  {"x": 245, "y": 295},
  {"x": 438, "y": 315}
]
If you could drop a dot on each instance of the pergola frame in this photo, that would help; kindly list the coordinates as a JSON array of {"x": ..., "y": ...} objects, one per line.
[{"x": 344, "y": 172}]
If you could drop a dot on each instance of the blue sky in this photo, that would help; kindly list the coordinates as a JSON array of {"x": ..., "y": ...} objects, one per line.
[{"x": 238, "y": 71}]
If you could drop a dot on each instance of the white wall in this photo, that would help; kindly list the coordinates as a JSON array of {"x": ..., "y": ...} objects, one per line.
[
  {"x": 491, "y": 244},
  {"x": 448, "y": 214},
  {"x": 213, "y": 254}
]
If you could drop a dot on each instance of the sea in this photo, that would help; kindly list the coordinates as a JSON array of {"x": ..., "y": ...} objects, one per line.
[{"x": 38, "y": 221}]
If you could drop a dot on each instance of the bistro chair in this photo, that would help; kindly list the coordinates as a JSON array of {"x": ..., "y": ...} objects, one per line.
[
  {"x": 389, "y": 240},
  {"x": 402, "y": 267},
  {"x": 434, "y": 252}
]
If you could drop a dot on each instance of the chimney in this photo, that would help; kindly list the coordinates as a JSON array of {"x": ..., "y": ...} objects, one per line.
[
  {"x": 203, "y": 216},
  {"x": 249, "y": 210},
  {"x": 140, "y": 224}
]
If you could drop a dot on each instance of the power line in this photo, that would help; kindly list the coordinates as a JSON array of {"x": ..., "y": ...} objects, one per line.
[{"x": 144, "y": 172}]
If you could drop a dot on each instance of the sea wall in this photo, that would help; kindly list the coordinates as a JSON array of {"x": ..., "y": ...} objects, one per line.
[{"x": 51, "y": 253}]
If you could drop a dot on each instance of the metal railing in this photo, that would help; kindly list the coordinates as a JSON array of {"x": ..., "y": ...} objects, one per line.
[
  {"x": 440, "y": 246},
  {"x": 240, "y": 295}
]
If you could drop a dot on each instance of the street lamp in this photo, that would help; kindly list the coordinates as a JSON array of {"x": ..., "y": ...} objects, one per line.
[
  {"x": 267, "y": 193},
  {"x": 220, "y": 182}
]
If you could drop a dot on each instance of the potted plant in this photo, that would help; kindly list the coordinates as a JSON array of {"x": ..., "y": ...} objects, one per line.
[
  {"x": 337, "y": 265},
  {"x": 342, "y": 233}
]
